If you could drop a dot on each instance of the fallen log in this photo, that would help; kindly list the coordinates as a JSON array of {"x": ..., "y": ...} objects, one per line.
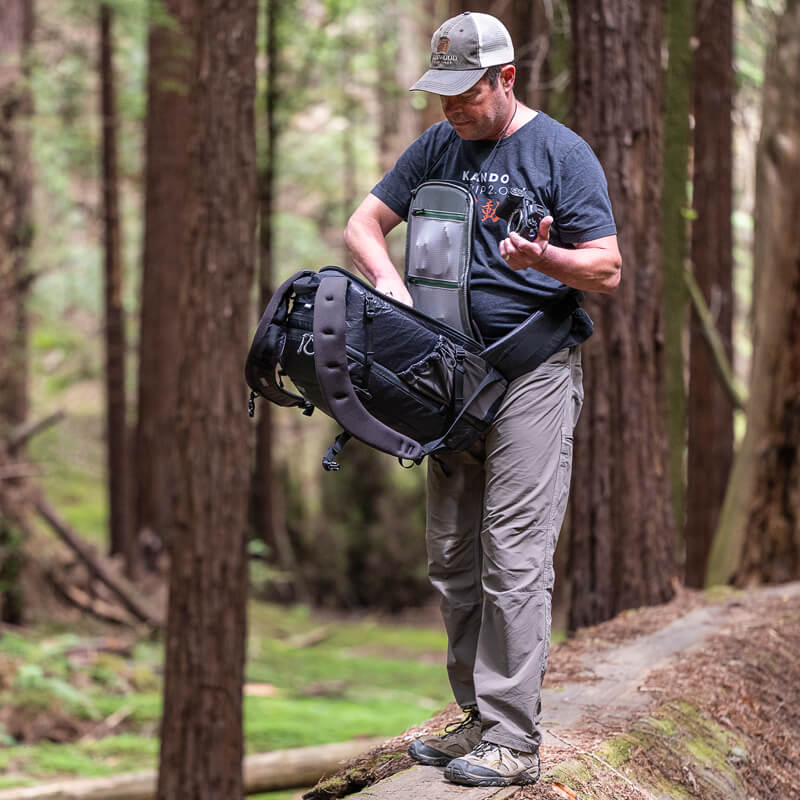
[{"x": 263, "y": 772}]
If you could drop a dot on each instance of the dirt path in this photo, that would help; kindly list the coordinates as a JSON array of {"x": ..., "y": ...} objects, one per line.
[{"x": 650, "y": 705}]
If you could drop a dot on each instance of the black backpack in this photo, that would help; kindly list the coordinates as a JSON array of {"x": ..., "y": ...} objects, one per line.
[{"x": 391, "y": 376}]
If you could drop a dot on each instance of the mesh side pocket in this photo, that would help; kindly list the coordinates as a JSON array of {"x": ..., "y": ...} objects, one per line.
[{"x": 433, "y": 374}]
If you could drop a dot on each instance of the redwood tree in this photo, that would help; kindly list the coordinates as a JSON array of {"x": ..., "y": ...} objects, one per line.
[
  {"x": 677, "y": 110},
  {"x": 622, "y": 532},
  {"x": 166, "y": 133},
  {"x": 16, "y": 27},
  {"x": 758, "y": 538},
  {"x": 710, "y": 410},
  {"x": 16, "y": 227},
  {"x": 201, "y": 733},
  {"x": 116, "y": 433}
]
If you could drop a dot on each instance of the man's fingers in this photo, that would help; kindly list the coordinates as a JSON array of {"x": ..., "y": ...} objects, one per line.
[
  {"x": 544, "y": 228},
  {"x": 517, "y": 240}
]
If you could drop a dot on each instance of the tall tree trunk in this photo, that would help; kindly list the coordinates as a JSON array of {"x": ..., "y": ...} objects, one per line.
[
  {"x": 16, "y": 224},
  {"x": 758, "y": 538},
  {"x": 434, "y": 14},
  {"x": 530, "y": 23},
  {"x": 201, "y": 732},
  {"x": 676, "y": 201},
  {"x": 16, "y": 230},
  {"x": 116, "y": 434},
  {"x": 166, "y": 157},
  {"x": 623, "y": 534},
  {"x": 398, "y": 68},
  {"x": 268, "y": 509},
  {"x": 710, "y": 412}
]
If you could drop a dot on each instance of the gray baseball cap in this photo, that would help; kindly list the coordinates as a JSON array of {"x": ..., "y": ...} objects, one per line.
[{"x": 462, "y": 49}]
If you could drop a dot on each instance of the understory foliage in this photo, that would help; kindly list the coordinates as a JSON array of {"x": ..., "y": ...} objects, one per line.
[{"x": 367, "y": 548}]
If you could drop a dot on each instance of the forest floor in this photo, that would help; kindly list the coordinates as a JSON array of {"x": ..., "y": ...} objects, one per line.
[
  {"x": 698, "y": 698},
  {"x": 80, "y": 698}
]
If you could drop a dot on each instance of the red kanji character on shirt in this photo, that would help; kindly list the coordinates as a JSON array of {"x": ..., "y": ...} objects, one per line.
[{"x": 488, "y": 209}]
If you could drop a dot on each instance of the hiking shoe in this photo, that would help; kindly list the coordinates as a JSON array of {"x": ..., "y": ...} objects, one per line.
[
  {"x": 457, "y": 740},
  {"x": 491, "y": 764}
]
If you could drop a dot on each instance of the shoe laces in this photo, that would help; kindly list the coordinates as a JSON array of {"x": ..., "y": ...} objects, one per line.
[
  {"x": 488, "y": 749},
  {"x": 484, "y": 747},
  {"x": 473, "y": 717}
]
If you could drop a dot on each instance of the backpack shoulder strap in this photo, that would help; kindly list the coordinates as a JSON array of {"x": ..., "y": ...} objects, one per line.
[{"x": 333, "y": 376}]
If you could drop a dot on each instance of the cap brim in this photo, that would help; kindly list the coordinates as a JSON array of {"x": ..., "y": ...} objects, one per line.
[{"x": 448, "y": 82}]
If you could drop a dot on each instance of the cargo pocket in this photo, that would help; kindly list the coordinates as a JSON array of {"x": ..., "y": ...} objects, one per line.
[{"x": 433, "y": 374}]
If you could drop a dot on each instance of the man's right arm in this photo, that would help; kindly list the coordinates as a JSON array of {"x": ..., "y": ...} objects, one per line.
[{"x": 365, "y": 238}]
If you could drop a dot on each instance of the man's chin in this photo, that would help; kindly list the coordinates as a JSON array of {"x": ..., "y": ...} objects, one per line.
[{"x": 466, "y": 132}]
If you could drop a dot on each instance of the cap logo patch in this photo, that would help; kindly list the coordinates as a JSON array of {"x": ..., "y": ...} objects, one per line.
[{"x": 442, "y": 57}]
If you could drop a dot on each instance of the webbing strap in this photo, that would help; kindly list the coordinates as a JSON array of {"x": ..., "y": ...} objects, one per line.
[
  {"x": 458, "y": 381},
  {"x": 333, "y": 376},
  {"x": 492, "y": 377},
  {"x": 329, "y": 463}
]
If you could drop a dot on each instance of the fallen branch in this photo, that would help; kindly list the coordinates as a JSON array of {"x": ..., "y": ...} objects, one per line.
[
  {"x": 25, "y": 432},
  {"x": 117, "y": 585},
  {"x": 736, "y": 394},
  {"x": 108, "y": 724},
  {"x": 264, "y": 772},
  {"x": 15, "y": 471},
  {"x": 92, "y": 605}
]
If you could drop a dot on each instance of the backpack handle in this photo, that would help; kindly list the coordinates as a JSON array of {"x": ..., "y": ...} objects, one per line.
[{"x": 264, "y": 355}]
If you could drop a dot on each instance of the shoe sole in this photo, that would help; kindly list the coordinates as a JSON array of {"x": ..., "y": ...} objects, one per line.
[{"x": 455, "y": 774}]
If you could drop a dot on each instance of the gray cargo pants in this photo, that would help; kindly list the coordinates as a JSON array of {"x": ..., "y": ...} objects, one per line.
[{"x": 494, "y": 515}]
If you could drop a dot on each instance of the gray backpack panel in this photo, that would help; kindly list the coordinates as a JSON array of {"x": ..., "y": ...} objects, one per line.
[{"x": 439, "y": 251}]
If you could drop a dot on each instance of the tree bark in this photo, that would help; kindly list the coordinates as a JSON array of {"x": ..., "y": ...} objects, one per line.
[
  {"x": 530, "y": 23},
  {"x": 201, "y": 733},
  {"x": 267, "y": 496},
  {"x": 16, "y": 232},
  {"x": 679, "y": 18},
  {"x": 116, "y": 425},
  {"x": 710, "y": 411},
  {"x": 166, "y": 155},
  {"x": 16, "y": 223},
  {"x": 623, "y": 534},
  {"x": 398, "y": 68},
  {"x": 758, "y": 538}
]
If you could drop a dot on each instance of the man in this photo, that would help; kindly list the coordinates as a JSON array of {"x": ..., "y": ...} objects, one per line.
[{"x": 494, "y": 513}]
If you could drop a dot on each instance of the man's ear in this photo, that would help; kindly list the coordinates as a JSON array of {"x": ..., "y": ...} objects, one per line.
[{"x": 507, "y": 76}]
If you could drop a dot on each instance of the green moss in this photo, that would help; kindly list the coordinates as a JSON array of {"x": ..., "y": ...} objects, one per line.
[
  {"x": 664, "y": 726},
  {"x": 720, "y": 592},
  {"x": 669, "y": 789},
  {"x": 617, "y": 751},
  {"x": 576, "y": 769},
  {"x": 679, "y": 738}
]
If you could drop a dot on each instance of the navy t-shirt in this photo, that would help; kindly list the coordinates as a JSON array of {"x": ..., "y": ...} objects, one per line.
[{"x": 542, "y": 156}]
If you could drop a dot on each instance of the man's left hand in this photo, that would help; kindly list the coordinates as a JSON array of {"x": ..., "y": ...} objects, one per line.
[{"x": 521, "y": 253}]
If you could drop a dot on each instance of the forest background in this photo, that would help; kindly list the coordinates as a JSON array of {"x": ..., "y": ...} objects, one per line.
[{"x": 132, "y": 276}]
